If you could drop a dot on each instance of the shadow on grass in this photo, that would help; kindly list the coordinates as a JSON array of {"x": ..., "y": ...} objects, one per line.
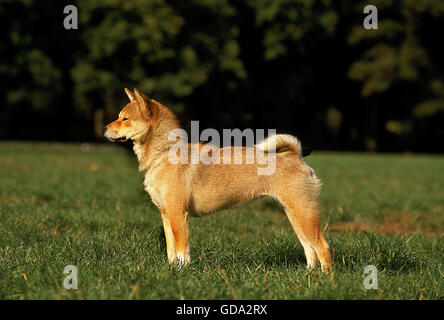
[{"x": 285, "y": 257}]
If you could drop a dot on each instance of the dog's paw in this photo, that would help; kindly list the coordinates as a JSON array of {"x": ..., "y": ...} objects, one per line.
[{"x": 182, "y": 260}]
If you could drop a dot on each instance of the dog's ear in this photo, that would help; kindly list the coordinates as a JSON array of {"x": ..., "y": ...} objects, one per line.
[
  {"x": 148, "y": 107},
  {"x": 142, "y": 103},
  {"x": 129, "y": 94}
]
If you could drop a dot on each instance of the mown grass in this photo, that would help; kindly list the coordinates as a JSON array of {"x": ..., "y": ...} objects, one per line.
[{"x": 65, "y": 205}]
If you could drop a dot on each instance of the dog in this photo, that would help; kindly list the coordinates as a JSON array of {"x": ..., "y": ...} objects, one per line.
[{"x": 180, "y": 190}]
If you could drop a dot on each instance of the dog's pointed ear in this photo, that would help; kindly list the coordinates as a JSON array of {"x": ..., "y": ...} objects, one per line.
[
  {"x": 129, "y": 94},
  {"x": 143, "y": 102}
]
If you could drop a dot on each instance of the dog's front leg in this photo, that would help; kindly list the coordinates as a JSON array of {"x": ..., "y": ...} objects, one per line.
[
  {"x": 169, "y": 237},
  {"x": 179, "y": 227}
]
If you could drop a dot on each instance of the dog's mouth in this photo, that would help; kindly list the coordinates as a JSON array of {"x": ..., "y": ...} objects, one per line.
[{"x": 121, "y": 139}]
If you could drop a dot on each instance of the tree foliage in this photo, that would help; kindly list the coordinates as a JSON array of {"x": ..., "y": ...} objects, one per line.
[{"x": 229, "y": 63}]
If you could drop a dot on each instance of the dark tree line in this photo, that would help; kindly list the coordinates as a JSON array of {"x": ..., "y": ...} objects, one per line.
[{"x": 305, "y": 67}]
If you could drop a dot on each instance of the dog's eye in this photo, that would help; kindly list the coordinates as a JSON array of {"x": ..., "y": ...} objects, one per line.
[{"x": 124, "y": 119}]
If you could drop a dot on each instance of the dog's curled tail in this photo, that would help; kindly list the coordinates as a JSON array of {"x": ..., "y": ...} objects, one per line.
[{"x": 280, "y": 143}]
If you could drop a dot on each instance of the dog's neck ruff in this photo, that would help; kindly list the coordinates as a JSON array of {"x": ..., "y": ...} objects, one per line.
[
  {"x": 147, "y": 151},
  {"x": 151, "y": 145}
]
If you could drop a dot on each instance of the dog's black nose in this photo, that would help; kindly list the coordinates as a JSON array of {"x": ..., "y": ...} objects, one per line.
[{"x": 104, "y": 129}]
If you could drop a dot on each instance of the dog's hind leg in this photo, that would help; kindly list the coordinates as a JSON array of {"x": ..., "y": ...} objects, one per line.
[
  {"x": 303, "y": 216},
  {"x": 310, "y": 254}
]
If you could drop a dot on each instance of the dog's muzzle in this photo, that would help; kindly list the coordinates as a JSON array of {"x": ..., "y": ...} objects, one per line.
[{"x": 105, "y": 131}]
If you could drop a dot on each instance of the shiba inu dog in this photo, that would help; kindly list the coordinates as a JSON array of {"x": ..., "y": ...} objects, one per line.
[{"x": 180, "y": 190}]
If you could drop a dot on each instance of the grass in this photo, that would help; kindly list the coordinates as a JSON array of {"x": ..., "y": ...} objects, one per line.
[{"x": 61, "y": 204}]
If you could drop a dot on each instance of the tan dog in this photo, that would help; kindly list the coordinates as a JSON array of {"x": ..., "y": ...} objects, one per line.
[{"x": 179, "y": 190}]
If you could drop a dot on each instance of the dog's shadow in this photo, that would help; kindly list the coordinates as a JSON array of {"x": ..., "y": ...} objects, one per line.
[
  {"x": 280, "y": 257},
  {"x": 266, "y": 257}
]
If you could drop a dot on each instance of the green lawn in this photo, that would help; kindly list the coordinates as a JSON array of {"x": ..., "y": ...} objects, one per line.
[{"x": 65, "y": 205}]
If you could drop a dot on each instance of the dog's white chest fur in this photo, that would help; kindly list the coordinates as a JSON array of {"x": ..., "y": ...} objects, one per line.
[
  {"x": 150, "y": 177},
  {"x": 154, "y": 192},
  {"x": 151, "y": 183}
]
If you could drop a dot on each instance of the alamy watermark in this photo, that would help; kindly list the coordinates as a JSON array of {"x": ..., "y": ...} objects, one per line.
[
  {"x": 71, "y": 21},
  {"x": 371, "y": 20},
  {"x": 212, "y": 153},
  {"x": 371, "y": 281},
  {"x": 70, "y": 281}
]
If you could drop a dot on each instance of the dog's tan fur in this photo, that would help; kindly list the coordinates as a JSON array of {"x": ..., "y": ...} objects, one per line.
[{"x": 179, "y": 190}]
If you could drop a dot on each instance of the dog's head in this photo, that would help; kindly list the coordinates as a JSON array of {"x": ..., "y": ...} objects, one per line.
[{"x": 134, "y": 120}]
